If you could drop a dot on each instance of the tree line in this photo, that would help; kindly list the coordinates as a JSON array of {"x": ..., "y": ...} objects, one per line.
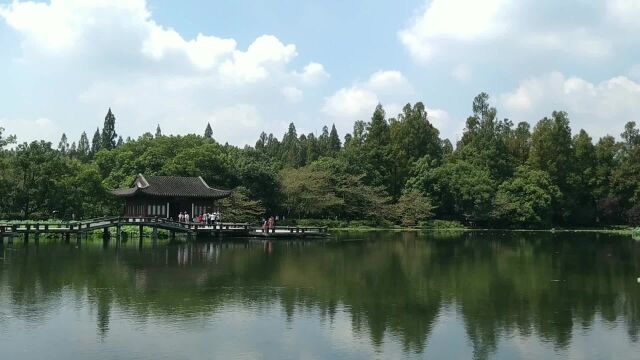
[{"x": 388, "y": 170}]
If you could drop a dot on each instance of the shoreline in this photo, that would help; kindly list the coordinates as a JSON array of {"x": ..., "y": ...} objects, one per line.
[{"x": 626, "y": 231}]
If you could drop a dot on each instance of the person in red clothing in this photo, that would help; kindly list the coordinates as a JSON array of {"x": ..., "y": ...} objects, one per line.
[{"x": 272, "y": 223}]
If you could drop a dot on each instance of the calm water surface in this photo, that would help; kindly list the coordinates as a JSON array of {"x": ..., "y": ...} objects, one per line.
[{"x": 370, "y": 296}]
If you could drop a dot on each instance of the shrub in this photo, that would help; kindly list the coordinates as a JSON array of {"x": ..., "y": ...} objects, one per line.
[{"x": 442, "y": 224}]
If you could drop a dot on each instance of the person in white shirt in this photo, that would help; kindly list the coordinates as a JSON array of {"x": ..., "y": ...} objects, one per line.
[
  {"x": 186, "y": 217},
  {"x": 181, "y": 217}
]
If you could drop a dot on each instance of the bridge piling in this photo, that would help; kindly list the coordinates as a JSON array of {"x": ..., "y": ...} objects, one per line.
[
  {"x": 118, "y": 234},
  {"x": 154, "y": 236}
]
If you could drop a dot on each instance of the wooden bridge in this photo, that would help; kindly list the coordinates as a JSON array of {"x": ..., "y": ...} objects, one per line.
[{"x": 192, "y": 228}]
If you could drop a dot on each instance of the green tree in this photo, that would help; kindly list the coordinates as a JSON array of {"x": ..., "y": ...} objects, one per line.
[
  {"x": 291, "y": 150},
  {"x": 485, "y": 139},
  {"x": 96, "y": 142},
  {"x": 458, "y": 190},
  {"x": 412, "y": 208},
  {"x": 526, "y": 200},
  {"x": 551, "y": 151},
  {"x": 208, "y": 132},
  {"x": 38, "y": 168},
  {"x": 308, "y": 192},
  {"x": 583, "y": 180},
  {"x": 63, "y": 145},
  {"x": 334, "y": 141},
  {"x": 412, "y": 137},
  {"x": 158, "y": 131},
  {"x": 240, "y": 207},
  {"x": 84, "y": 149},
  {"x": 109, "y": 136}
]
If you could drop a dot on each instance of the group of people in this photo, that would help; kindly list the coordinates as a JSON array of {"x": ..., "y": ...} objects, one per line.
[
  {"x": 268, "y": 224},
  {"x": 207, "y": 218}
]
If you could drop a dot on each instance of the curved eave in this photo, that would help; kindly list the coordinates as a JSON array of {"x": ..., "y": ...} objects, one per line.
[{"x": 128, "y": 192}]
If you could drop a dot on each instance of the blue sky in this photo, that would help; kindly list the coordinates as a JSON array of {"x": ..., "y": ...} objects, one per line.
[{"x": 248, "y": 66}]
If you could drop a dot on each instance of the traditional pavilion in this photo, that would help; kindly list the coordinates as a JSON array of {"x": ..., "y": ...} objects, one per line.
[{"x": 167, "y": 196}]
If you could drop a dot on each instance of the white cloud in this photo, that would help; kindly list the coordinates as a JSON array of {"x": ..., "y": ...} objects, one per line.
[
  {"x": 600, "y": 108},
  {"x": 229, "y": 121},
  {"x": 251, "y": 65},
  {"x": 203, "y": 51},
  {"x": 463, "y": 20},
  {"x": 359, "y": 101},
  {"x": 312, "y": 73},
  {"x": 389, "y": 88},
  {"x": 508, "y": 28},
  {"x": 624, "y": 12},
  {"x": 92, "y": 54},
  {"x": 292, "y": 94},
  {"x": 23, "y": 129}
]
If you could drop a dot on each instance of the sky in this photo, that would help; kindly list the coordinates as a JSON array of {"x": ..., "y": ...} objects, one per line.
[{"x": 251, "y": 66}]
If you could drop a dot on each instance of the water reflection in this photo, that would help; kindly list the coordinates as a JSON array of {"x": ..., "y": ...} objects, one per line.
[{"x": 391, "y": 289}]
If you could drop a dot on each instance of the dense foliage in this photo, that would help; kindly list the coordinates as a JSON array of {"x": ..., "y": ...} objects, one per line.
[{"x": 388, "y": 170}]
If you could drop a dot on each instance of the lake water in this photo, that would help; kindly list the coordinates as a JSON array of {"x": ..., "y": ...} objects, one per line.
[{"x": 378, "y": 295}]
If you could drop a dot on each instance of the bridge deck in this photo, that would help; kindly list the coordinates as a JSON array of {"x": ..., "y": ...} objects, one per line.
[{"x": 75, "y": 227}]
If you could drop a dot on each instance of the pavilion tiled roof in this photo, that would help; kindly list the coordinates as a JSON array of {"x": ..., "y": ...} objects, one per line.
[{"x": 172, "y": 186}]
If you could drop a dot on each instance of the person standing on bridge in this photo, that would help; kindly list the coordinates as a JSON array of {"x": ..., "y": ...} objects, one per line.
[
  {"x": 181, "y": 217},
  {"x": 272, "y": 223},
  {"x": 186, "y": 217}
]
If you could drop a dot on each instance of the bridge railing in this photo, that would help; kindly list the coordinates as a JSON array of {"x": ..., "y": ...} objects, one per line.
[{"x": 296, "y": 229}]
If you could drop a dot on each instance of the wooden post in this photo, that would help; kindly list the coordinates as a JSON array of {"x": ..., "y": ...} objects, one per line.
[
  {"x": 173, "y": 235},
  {"x": 140, "y": 232},
  {"x": 78, "y": 239},
  {"x": 67, "y": 237}
]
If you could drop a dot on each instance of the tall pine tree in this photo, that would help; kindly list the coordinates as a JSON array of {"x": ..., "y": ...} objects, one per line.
[
  {"x": 63, "y": 145},
  {"x": 158, "y": 131},
  {"x": 334, "y": 141},
  {"x": 109, "y": 135},
  {"x": 84, "y": 149},
  {"x": 208, "y": 132},
  {"x": 96, "y": 142}
]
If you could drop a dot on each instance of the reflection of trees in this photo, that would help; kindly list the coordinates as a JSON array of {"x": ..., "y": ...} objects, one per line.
[{"x": 524, "y": 283}]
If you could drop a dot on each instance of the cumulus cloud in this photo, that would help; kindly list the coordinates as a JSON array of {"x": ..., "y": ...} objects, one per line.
[
  {"x": 312, "y": 73},
  {"x": 387, "y": 87},
  {"x": 600, "y": 108},
  {"x": 359, "y": 101},
  {"x": 462, "y": 28},
  {"x": 92, "y": 54},
  {"x": 292, "y": 94},
  {"x": 462, "y": 20},
  {"x": 23, "y": 129}
]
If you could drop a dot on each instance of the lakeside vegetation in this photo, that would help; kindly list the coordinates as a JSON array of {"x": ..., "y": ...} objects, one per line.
[{"x": 389, "y": 171}]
